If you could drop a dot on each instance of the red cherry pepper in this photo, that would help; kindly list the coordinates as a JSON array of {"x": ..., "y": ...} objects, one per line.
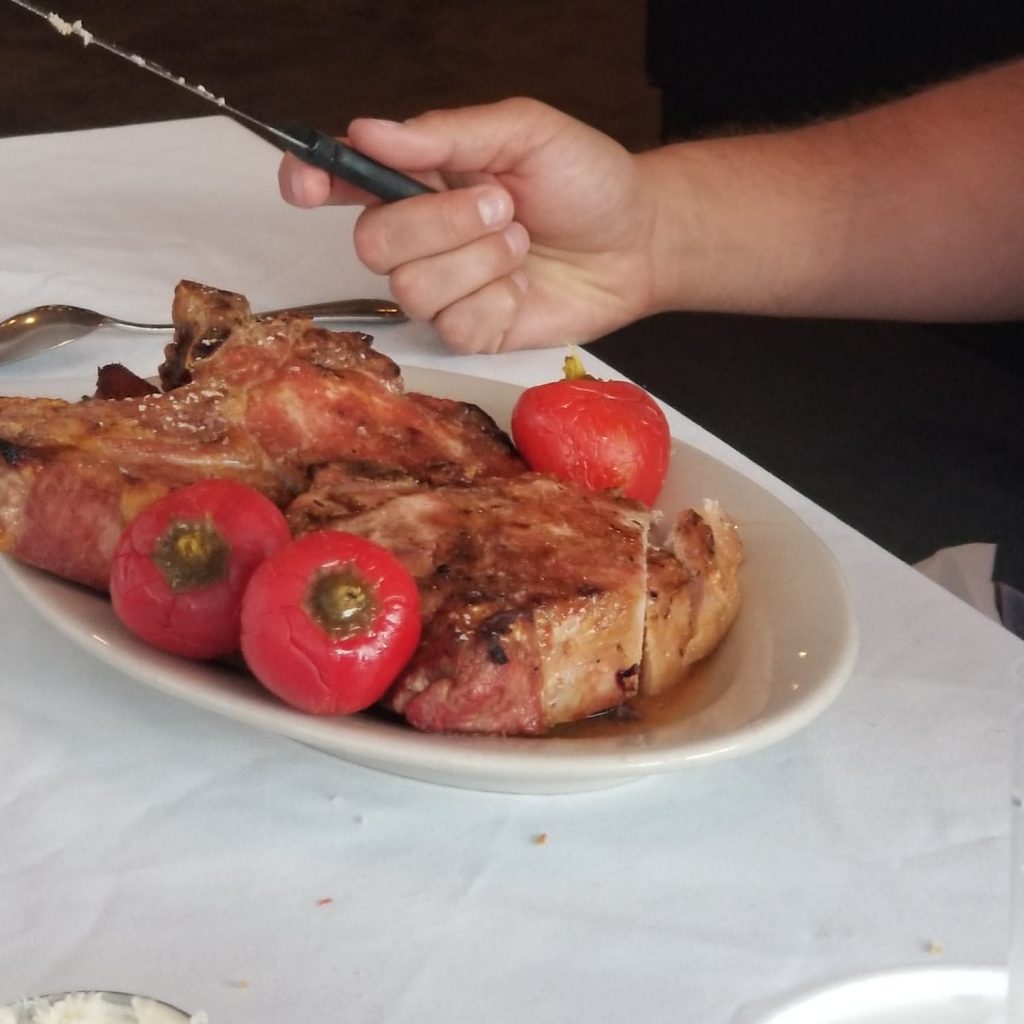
[
  {"x": 601, "y": 434},
  {"x": 180, "y": 567},
  {"x": 329, "y": 622}
]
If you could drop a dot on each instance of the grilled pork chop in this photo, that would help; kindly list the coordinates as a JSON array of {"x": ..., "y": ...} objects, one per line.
[
  {"x": 276, "y": 398},
  {"x": 542, "y": 602},
  {"x": 532, "y": 594}
]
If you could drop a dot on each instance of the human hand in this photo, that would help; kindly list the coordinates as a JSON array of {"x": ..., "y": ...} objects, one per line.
[{"x": 540, "y": 233}]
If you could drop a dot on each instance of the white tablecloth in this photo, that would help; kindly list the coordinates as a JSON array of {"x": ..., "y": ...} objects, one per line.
[{"x": 147, "y": 845}]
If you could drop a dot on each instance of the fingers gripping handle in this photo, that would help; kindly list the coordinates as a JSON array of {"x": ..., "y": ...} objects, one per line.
[{"x": 327, "y": 153}]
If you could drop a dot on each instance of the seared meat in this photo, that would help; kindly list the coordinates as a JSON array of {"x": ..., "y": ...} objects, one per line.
[
  {"x": 64, "y": 512},
  {"x": 693, "y": 595},
  {"x": 276, "y": 398},
  {"x": 532, "y": 589},
  {"x": 203, "y": 318},
  {"x": 117, "y": 381},
  {"x": 542, "y": 603}
]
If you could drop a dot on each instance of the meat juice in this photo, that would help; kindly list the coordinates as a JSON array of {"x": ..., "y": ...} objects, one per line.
[{"x": 701, "y": 688}]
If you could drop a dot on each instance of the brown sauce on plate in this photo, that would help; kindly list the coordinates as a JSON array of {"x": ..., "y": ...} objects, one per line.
[{"x": 701, "y": 687}]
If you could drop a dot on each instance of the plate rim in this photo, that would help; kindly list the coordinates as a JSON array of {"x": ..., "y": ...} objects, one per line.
[{"x": 936, "y": 981}]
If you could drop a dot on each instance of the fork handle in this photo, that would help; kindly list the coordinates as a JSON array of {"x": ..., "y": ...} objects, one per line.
[
  {"x": 346, "y": 309},
  {"x": 356, "y": 310}
]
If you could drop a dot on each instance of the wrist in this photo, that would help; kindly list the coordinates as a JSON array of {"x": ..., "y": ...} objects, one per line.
[
  {"x": 737, "y": 228},
  {"x": 698, "y": 237}
]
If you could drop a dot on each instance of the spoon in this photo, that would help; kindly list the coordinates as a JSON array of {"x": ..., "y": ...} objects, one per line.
[
  {"x": 45, "y": 327},
  {"x": 98, "y": 1007}
]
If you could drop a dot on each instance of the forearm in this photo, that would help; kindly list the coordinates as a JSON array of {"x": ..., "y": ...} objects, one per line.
[{"x": 913, "y": 210}]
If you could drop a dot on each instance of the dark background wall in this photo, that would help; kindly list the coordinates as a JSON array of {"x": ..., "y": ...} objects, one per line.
[{"x": 737, "y": 63}]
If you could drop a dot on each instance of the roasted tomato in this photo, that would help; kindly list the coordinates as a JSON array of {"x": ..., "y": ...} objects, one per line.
[
  {"x": 329, "y": 622},
  {"x": 181, "y": 566},
  {"x": 602, "y": 434}
]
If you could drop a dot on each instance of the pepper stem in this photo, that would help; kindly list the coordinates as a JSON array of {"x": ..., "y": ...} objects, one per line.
[
  {"x": 192, "y": 553},
  {"x": 573, "y": 367},
  {"x": 341, "y": 602}
]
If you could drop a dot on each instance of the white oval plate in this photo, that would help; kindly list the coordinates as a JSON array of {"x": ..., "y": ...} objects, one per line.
[
  {"x": 785, "y": 660},
  {"x": 914, "y": 995}
]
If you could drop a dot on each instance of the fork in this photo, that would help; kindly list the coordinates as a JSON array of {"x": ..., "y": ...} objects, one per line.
[{"x": 46, "y": 327}]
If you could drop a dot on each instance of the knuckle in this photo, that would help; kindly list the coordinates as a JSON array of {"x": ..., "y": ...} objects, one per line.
[
  {"x": 526, "y": 109},
  {"x": 506, "y": 300},
  {"x": 371, "y": 244},
  {"x": 455, "y": 327},
  {"x": 427, "y": 118},
  {"x": 502, "y": 256},
  {"x": 477, "y": 323},
  {"x": 412, "y": 293},
  {"x": 458, "y": 218},
  {"x": 522, "y": 106},
  {"x": 451, "y": 226},
  {"x": 456, "y": 338}
]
